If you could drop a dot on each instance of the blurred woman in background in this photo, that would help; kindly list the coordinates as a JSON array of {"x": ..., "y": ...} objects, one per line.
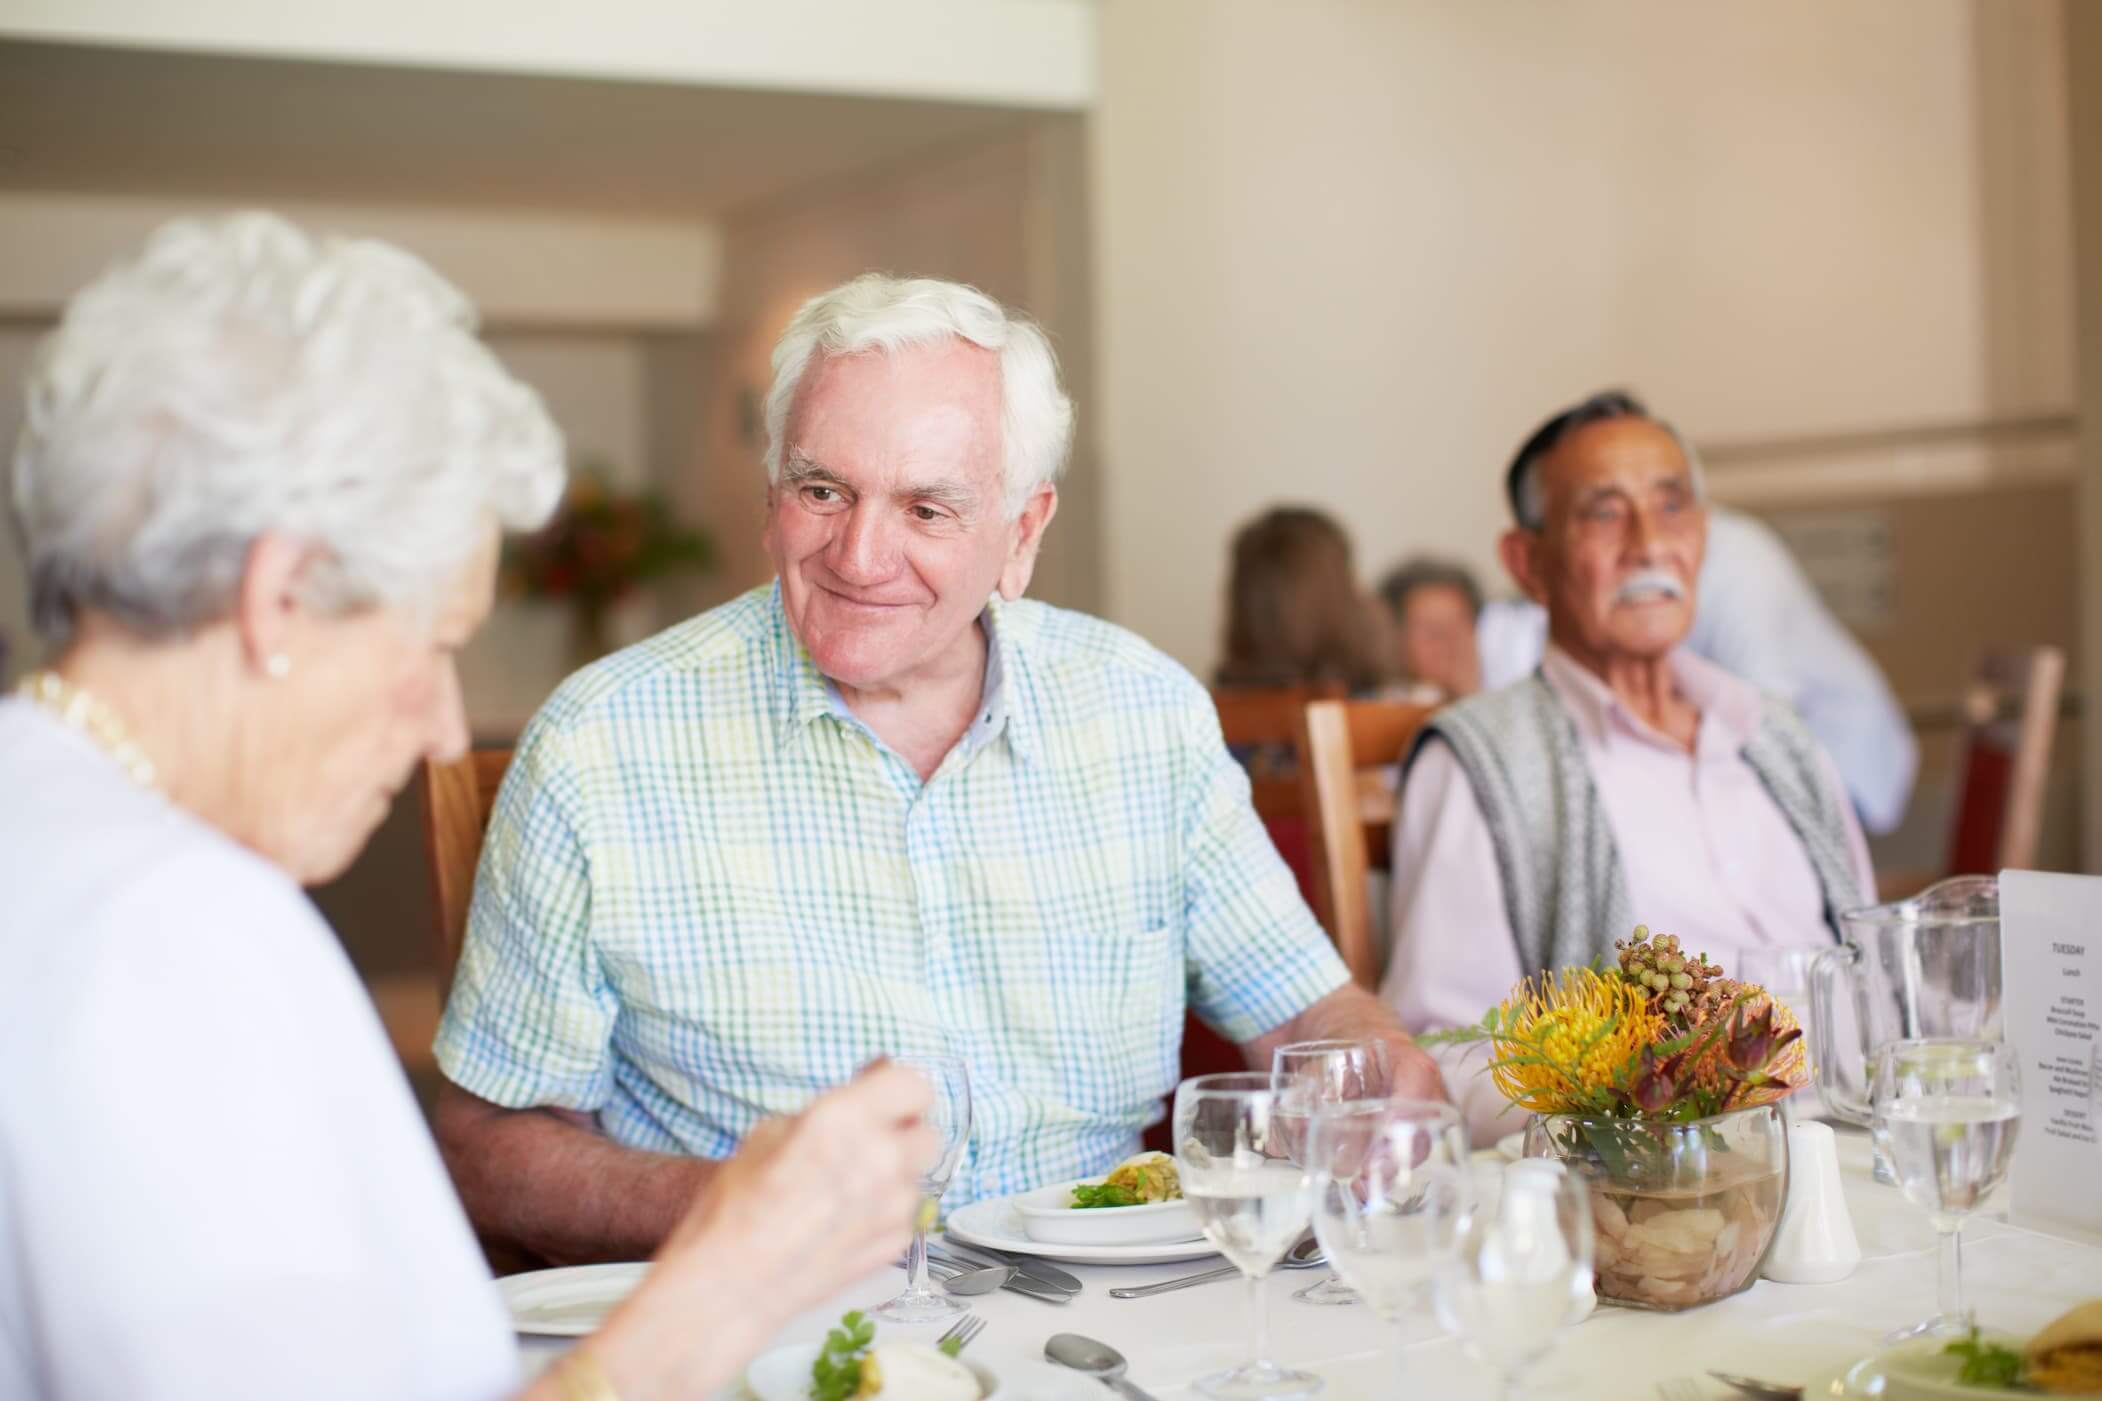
[
  {"x": 261, "y": 484},
  {"x": 1295, "y": 615}
]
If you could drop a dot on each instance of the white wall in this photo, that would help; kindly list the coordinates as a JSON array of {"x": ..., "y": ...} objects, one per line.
[{"x": 1350, "y": 254}]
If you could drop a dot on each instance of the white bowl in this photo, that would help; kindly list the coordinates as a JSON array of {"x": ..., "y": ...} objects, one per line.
[
  {"x": 1048, "y": 1215},
  {"x": 784, "y": 1374}
]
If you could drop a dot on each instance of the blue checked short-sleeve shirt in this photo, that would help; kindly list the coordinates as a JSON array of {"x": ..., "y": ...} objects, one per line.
[{"x": 708, "y": 892}]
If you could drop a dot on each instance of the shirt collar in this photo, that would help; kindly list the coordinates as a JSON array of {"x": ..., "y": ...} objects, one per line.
[
  {"x": 806, "y": 693},
  {"x": 1729, "y": 706}
]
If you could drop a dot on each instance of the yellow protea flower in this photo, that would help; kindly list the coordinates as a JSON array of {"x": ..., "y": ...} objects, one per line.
[{"x": 1562, "y": 1039}]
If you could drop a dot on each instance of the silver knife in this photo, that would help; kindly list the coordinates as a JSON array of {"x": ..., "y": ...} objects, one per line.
[{"x": 1030, "y": 1266}]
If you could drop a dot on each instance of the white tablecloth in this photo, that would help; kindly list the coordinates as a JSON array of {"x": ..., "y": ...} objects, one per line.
[{"x": 2016, "y": 1279}]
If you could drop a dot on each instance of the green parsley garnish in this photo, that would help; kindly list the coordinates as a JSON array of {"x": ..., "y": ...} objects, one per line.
[
  {"x": 836, "y": 1375},
  {"x": 1103, "y": 1194},
  {"x": 1987, "y": 1364}
]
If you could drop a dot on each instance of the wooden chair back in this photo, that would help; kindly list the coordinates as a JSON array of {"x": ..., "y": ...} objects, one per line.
[
  {"x": 457, "y": 798},
  {"x": 2011, "y": 721},
  {"x": 1347, "y": 752},
  {"x": 1266, "y": 719}
]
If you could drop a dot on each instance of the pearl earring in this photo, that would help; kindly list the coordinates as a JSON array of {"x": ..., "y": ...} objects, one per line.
[{"x": 278, "y": 665}]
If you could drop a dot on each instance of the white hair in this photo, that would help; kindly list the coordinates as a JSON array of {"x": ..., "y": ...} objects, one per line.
[
  {"x": 877, "y": 312},
  {"x": 238, "y": 377}
]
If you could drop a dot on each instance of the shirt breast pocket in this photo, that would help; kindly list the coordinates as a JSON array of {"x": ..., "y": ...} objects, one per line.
[{"x": 1116, "y": 1006}]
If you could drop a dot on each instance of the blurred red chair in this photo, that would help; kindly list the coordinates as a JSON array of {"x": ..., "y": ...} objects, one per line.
[
  {"x": 2011, "y": 720},
  {"x": 2009, "y": 714}
]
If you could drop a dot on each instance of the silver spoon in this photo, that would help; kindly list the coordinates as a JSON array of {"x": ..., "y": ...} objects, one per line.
[
  {"x": 1098, "y": 1360},
  {"x": 985, "y": 1281}
]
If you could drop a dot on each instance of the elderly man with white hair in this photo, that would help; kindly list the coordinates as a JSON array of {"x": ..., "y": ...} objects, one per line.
[
  {"x": 1626, "y": 780},
  {"x": 883, "y": 804}
]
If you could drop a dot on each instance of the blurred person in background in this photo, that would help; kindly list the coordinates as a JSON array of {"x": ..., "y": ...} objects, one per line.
[
  {"x": 1627, "y": 780},
  {"x": 260, "y": 486},
  {"x": 1296, "y": 619},
  {"x": 1295, "y": 614},
  {"x": 1761, "y": 618},
  {"x": 1435, "y": 606}
]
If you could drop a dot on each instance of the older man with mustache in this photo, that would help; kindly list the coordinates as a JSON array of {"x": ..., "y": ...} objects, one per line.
[{"x": 1626, "y": 780}]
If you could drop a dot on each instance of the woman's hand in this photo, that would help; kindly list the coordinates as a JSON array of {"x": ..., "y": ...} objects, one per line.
[{"x": 807, "y": 1206}]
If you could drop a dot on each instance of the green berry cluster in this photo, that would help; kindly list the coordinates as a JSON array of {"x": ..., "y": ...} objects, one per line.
[{"x": 1674, "y": 979}]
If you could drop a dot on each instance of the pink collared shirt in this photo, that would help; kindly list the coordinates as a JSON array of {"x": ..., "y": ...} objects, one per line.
[{"x": 1708, "y": 857}]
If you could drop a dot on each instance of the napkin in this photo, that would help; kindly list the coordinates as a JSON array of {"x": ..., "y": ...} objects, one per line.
[{"x": 2065, "y": 1357}]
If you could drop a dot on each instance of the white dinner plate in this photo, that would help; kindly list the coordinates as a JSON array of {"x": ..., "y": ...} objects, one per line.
[
  {"x": 1915, "y": 1371},
  {"x": 996, "y": 1224},
  {"x": 784, "y": 1375},
  {"x": 567, "y": 1302}
]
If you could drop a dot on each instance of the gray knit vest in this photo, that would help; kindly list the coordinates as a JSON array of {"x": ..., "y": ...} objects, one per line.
[{"x": 1563, "y": 881}]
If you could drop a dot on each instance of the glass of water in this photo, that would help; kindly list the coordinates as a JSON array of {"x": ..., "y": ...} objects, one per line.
[
  {"x": 951, "y": 1120},
  {"x": 1311, "y": 1075},
  {"x": 1390, "y": 1190},
  {"x": 1251, "y": 1198},
  {"x": 1520, "y": 1271},
  {"x": 1945, "y": 1114}
]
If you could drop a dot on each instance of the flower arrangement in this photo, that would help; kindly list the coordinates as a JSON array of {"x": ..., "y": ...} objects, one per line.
[
  {"x": 1657, "y": 1079},
  {"x": 1658, "y": 1034},
  {"x": 602, "y": 545}
]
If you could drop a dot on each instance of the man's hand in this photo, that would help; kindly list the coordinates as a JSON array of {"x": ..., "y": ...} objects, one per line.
[{"x": 1352, "y": 1014}]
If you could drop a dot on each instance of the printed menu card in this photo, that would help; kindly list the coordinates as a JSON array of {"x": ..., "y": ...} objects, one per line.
[{"x": 2051, "y": 990}]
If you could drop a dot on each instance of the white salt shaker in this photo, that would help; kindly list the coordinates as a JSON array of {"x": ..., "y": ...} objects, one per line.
[{"x": 1815, "y": 1243}]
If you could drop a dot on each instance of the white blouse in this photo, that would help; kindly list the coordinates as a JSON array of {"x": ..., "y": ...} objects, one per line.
[{"x": 214, "y": 1181}]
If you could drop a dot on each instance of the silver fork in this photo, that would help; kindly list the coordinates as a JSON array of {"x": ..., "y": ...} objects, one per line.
[
  {"x": 1680, "y": 1389},
  {"x": 963, "y": 1330}
]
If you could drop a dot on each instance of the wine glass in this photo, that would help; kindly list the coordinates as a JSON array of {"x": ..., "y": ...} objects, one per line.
[
  {"x": 1309, "y": 1074},
  {"x": 950, "y": 1118},
  {"x": 1251, "y": 1199},
  {"x": 1521, "y": 1270},
  {"x": 1945, "y": 1113},
  {"x": 1390, "y": 1190}
]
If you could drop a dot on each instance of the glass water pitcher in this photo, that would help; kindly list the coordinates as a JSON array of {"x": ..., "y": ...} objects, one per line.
[{"x": 1924, "y": 967}]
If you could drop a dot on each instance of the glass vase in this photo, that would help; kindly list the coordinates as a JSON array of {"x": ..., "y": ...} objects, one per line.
[{"x": 1685, "y": 1212}]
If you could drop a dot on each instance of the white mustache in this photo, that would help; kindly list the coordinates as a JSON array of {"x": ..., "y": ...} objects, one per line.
[{"x": 1648, "y": 581}]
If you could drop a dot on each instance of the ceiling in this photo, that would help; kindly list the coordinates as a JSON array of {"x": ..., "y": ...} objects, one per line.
[{"x": 115, "y": 121}]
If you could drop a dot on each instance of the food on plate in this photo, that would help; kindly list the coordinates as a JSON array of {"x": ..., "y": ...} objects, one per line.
[
  {"x": 2065, "y": 1356},
  {"x": 1149, "y": 1177},
  {"x": 851, "y": 1366},
  {"x": 916, "y": 1372},
  {"x": 2063, "y": 1359},
  {"x": 1987, "y": 1363}
]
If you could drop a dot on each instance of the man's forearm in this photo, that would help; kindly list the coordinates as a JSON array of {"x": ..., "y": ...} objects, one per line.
[
  {"x": 543, "y": 1181},
  {"x": 1350, "y": 1013}
]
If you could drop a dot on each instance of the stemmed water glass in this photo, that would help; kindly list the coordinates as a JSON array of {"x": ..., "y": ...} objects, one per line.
[
  {"x": 1390, "y": 1190},
  {"x": 1308, "y": 1075},
  {"x": 950, "y": 1119},
  {"x": 1251, "y": 1199},
  {"x": 1520, "y": 1271},
  {"x": 1945, "y": 1115}
]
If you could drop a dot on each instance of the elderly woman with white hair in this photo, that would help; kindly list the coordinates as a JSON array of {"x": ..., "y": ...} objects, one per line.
[{"x": 260, "y": 487}]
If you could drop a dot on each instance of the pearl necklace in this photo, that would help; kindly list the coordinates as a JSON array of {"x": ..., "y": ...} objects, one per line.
[{"x": 81, "y": 711}]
